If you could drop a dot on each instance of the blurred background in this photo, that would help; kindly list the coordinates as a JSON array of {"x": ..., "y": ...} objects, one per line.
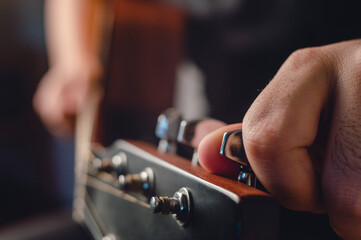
[
  {"x": 28, "y": 183},
  {"x": 36, "y": 169}
]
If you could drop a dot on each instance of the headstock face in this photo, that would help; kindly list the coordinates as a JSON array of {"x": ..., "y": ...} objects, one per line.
[
  {"x": 126, "y": 182},
  {"x": 214, "y": 204}
]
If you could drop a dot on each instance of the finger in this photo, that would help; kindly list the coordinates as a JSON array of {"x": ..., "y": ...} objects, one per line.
[
  {"x": 47, "y": 102},
  {"x": 203, "y": 128},
  {"x": 282, "y": 123},
  {"x": 57, "y": 122},
  {"x": 208, "y": 153}
]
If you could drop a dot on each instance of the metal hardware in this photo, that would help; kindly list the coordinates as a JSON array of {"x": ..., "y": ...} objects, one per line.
[
  {"x": 232, "y": 148},
  {"x": 186, "y": 134},
  {"x": 109, "y": 237},
  {"x": 139, "y": 182},
  {"x": 167, "y": 130},
  {"x": 116, "y": 164},
  {"x": 187, "y": 131},
  {"x": 179, "y": 206}
]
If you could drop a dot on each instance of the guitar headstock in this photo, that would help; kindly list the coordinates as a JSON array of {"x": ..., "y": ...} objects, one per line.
[{"x": 133, "y": 190}]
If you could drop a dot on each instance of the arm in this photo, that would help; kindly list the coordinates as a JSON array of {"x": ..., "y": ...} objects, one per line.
[
  {"x": 72, "y": 33},
  {"x": 73, "y": 42}
]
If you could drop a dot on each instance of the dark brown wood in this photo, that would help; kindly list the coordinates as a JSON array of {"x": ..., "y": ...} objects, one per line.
[
  {"x": 245, "y": 214},
  {"x": 139, "y": 83},
  {"x": 237, "y": 188}
]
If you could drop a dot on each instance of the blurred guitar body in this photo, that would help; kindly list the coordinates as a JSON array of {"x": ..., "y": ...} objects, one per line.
[{"x": 145, "y": 48}]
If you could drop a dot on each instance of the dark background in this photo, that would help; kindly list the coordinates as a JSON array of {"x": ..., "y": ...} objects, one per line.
[{"x": 28, "y": 183}]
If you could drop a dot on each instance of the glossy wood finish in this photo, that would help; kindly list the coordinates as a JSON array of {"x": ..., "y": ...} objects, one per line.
[
  {"x": 145, "y": 49},
  {"x": 240, "y": 189}
]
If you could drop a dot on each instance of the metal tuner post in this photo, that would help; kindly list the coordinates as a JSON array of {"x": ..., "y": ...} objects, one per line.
[{"x": 179, "y": 205}]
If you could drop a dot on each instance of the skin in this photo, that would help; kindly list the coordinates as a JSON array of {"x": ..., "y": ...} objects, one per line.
[
  {"x": 302, "y": 135},
  {"x": 205, "y": 127},
  {"x": 73, "y": 41}
]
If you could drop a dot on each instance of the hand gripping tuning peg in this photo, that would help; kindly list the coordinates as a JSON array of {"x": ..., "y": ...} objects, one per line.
[
  {"x": 167, "y": 130},
  {"x": 232, "y": 148},
  {"x": 179, "y": 205},
  {"x": 140, "y": 182}
]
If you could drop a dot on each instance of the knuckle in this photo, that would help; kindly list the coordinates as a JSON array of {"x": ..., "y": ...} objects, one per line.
[
  {"x": 316, "y": 57},
  {"x": 262, "y": 143},
  {"x": 355, "y": 70},
  {"x": 304, "y": 55}
]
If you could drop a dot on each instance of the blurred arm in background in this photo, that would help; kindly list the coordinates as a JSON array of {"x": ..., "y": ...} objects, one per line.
[{"x": 73, "y": 42}]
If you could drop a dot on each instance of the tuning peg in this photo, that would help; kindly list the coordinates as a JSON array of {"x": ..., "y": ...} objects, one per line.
[
  {"x": 167, "y": 130},
  {"x": 179, "y": 205},
  {"x": 187, "y": 130},
  {"x": 139, "y": 182},
  {"x": 186, "y": 133},
  {"x": 115, "y": 164},
  {"x": 232, "y": 148}
]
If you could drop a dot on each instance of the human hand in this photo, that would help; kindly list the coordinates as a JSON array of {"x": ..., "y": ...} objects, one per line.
[
  {"x": 62, "y": 92},
  {"x": 302, "y": 135}
]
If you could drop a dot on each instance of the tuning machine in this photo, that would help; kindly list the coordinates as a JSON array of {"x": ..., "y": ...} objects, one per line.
[
  {"x": 167, "y": 130},
  {"x": 142, "y": 182},
  {"x": 186, "y": 133},
  {"x": 115, "y": 164},
  {"x": 232, "y": 148},
  {"x": 179, "y": 205}
]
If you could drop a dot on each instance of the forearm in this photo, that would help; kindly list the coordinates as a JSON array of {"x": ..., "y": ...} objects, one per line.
[{"x": 72, "y": 30}]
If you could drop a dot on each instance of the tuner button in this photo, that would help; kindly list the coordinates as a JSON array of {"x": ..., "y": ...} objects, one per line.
[
  {"x": 186, "y": 134},
  {"x": 232, "y": 148},
  {"x": 167, "y": 130},
  {"x": 119, "y": 163},
  {"x": 187, "y": 131},
  {"x": 179, "y": 206}
]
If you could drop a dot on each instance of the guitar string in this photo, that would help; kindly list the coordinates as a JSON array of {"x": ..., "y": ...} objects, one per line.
[
  {"x": 94, "y": 213},
  {"x": 91, "y": 223},
  {"x": 84, "y": 129},
  {"x": 97, "y": 184}
]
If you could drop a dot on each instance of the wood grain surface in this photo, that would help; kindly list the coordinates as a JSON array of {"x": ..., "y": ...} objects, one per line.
[{"x": 231, "y": 185}]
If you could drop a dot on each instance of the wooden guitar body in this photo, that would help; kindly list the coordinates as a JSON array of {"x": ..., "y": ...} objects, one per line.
[{"x": 144, "y": 49}]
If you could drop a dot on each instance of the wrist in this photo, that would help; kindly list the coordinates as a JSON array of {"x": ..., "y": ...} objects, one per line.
[{"x": 86, "y": 68}]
